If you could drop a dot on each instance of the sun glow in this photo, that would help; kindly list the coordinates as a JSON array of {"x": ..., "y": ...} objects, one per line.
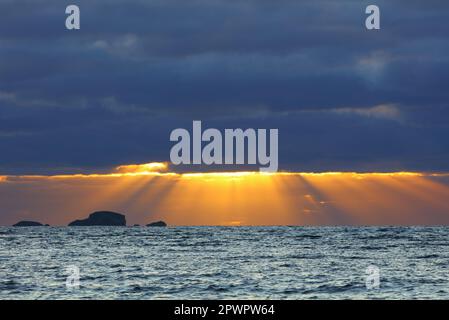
[
  {"x": 143, "y": 168},
  {"x": 152, "y": 191}
]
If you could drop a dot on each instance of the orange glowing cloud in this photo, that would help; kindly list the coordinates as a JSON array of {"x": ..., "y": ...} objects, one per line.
[
  {"x": 150, "y": 192},
  {"x": 143, "y": 168}
]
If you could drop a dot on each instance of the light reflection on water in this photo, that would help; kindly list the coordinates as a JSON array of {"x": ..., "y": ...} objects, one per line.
[{"x": 224, "y": 263}]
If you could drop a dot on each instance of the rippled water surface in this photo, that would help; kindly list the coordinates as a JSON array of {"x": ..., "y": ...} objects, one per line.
[{"x": 221, "y": 263}]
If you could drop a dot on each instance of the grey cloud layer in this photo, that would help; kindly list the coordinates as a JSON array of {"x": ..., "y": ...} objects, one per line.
[{"x": 111, "y": 92}]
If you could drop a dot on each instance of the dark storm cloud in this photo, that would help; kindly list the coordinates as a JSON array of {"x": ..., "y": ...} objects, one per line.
[{"x": 343, "y": 98}]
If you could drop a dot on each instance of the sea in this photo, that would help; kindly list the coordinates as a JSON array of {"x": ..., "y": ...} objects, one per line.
[{"x": 224, "y": 263}]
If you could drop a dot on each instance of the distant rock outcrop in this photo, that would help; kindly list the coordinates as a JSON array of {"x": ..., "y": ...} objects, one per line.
[
  {"x": 101, "y": 218},
  {"x": 157, "y": 224},
  {"x": 29, "y": 224}
]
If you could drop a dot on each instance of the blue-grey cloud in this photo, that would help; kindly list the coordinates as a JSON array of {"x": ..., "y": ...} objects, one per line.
[{"x": 343, "y": 98}]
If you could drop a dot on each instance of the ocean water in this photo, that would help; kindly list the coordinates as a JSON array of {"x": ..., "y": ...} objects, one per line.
[{"x": 225, "y": 263}]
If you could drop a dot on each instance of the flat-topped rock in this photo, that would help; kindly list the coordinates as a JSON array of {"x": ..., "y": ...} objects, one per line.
[
  {"x": 157, "y": 224},
  {"x": 101, "y": 218},
  {"x": 29, "y": 224}
]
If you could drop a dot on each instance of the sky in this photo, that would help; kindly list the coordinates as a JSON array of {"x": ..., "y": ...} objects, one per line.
[
  {"x": 344, "y": 99},
  {"x": 152, "y": 192}
]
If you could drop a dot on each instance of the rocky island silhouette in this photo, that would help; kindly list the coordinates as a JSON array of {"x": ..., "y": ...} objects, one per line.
[
  {"x": 25, "y": 223},
  {"x": 157, "y": 224},
  {"x": 98, "y": 218},
  {"x": 101, "y": 218}
]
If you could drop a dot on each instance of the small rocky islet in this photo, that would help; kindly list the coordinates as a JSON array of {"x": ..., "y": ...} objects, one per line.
[
  {"x": 26, "y": 223},
  {"x": 157, "y": 224}
]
